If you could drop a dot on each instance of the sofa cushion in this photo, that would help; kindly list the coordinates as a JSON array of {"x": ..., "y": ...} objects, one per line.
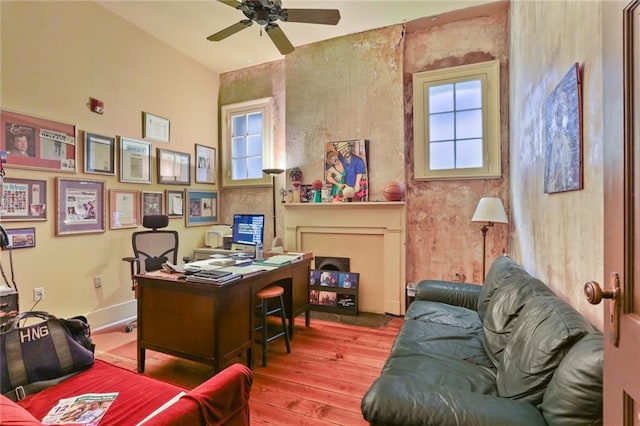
[
  {"x": 544, "y": 332},
  {"x": 574, "y": 394},
  {"x": 504, "y": 308},
  {"x": 442, "y": 329},
  {"x": 501, "y": 268},
  {"x": 13, "y": 414}
]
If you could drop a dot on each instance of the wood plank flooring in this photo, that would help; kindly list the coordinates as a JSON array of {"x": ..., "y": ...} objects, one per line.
[{"x": 321, "y": 382}]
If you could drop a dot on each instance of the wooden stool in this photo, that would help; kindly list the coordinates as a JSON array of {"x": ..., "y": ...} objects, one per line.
[{"x": 264, "y": 296}]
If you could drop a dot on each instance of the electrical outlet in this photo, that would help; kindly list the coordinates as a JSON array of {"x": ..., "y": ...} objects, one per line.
[
  {"x": 38, "y": 294},
  {"x": 97, "y": 281}
]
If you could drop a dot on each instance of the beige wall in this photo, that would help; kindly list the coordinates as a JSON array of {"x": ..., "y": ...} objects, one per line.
[
  {"x": 55, "y": 55},
  {"x": 558, "y": 237}
]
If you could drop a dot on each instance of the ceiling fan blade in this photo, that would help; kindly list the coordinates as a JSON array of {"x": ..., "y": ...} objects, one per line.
[
  {"x": 229, "y": 31},
  {"x": 279, "y": 39},
  {"x": 232, "y": 3},
  {"x": 311, "y": 16}
]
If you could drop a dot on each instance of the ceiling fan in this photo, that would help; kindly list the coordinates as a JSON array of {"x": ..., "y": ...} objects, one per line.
[{"x": 267, "y": 12}]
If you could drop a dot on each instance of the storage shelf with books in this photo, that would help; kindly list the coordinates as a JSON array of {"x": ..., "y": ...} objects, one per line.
[{"x": 334, "y": 291}]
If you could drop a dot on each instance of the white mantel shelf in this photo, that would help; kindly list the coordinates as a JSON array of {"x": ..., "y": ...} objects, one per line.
[
  {"x": 371, "y": 234},
  {"x": 372, "y": 204}
]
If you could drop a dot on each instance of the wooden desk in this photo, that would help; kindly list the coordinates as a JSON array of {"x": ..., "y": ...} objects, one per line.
[{"x": 210, "y": 324}]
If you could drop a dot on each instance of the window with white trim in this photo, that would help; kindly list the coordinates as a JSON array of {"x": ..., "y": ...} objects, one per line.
[
  {"x": 456, "y": 122},
  {"x": 246, "y": 142}
]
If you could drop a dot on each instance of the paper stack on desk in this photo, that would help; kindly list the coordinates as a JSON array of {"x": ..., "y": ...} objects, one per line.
[
  {"x": 248, "y": 270},
  {"x": 214, "y": 277},
  {"x": 279, "y": 260}
]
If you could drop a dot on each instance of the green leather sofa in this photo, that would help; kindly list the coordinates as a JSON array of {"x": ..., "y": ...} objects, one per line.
[{"x": 509, "y": 352}]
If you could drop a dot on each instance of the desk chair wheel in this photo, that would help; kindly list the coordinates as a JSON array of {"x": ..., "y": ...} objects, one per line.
[{"x": 128, "y": 328}]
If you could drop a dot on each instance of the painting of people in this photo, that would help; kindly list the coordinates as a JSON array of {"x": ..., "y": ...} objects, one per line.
[{"x": 345, "y": 170}]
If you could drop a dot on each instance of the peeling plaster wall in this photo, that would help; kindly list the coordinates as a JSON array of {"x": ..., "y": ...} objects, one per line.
[
  {"x": 348, "y": 88},
  {"x": 360, "y": 86},
  {"x": 442, "y": 242},
  {"x": 557, "y": 237},
  {"x": 257, "y": 82}
]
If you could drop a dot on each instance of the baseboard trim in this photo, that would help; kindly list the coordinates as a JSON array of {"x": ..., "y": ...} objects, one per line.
[{"x": 113, "y": 315}]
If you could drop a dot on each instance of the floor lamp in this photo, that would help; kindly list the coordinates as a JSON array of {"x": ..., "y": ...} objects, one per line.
[
  {"x": 489, "y": 210},
  {"x": 277, "y": 242}
]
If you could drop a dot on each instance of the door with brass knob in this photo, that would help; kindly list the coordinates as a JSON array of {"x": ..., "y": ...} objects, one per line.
[{"x": 620, "y": 292}]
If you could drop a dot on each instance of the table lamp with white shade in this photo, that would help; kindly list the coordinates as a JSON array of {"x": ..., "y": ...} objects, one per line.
[{"x": 489, "y": 210}]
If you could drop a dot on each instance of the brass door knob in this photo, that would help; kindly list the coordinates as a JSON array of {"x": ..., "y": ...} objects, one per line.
[{"x": 595, "y": 294}]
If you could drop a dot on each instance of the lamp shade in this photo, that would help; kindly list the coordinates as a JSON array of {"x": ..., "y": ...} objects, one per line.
[{"x": 490, "y": 209}]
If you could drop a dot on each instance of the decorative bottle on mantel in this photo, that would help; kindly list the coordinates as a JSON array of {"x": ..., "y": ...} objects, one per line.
[{"x": 316, "y": 185}]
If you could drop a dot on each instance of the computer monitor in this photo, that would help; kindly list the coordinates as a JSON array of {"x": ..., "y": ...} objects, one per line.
[{"x": 247, "y": 230}]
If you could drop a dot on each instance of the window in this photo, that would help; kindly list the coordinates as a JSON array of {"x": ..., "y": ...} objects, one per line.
[
  {"x": 456, "y": 122},
  {"x": 246, "y": 142}
]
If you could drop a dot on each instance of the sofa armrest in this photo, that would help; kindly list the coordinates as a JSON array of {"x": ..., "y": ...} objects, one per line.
[
  {"x": 452, "y": 293},
  {"x": 223, "y": 399}
]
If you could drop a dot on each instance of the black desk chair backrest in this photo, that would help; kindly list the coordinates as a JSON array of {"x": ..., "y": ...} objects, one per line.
[{"x": 151, "y": 249}]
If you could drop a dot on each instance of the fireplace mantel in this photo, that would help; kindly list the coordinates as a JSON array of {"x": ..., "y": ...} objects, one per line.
[{"x": 371, "y": 234}]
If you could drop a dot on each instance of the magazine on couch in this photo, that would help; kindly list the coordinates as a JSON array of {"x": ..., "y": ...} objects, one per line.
[{"x": 85, "y": 409}]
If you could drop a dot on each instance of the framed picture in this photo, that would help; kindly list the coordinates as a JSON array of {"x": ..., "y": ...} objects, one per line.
[
  {"x": 23, "y": 200},
  {"x": 152, "y": 202},
  {"x": 80, "y": 206},
  {"x": 563, "y": 169},
  {"x": 123, "y": 208},
  {"x": 202, "y": 207},
  {"x": 135, "y": 161},
  {"x": 174, "y": 167},
  {"x": 155, "y": 127},
  {"x": 175, "y": 203},
  {"x": 21, "y": 237},
  {"x": 205, "y": 164},
  {"x": 306, "y": 193},
  {"x": 99, "y": 154},
  {"x": 38, "y": 143},
  {"x": 345, "y": 167}
]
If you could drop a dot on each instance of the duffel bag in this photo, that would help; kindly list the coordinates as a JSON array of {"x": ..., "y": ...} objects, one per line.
[{"x": 34, "y": 357}]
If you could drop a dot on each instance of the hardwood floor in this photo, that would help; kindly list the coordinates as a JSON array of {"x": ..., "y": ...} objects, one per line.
[{"x": 321, "y": 382}]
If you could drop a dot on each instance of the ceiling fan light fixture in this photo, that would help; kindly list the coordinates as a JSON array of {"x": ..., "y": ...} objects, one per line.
[{"x": 266, "y": 12}]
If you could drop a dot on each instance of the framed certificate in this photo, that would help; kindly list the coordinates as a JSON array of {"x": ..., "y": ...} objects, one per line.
[
  {"x": 123, "y": 208},
  {"x": 99, "y": 154},
  {"x": 155, "y": 127},
  {"x": 135, "y": 160}
]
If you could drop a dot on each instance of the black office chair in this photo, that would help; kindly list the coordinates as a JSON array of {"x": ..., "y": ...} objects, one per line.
[{"x": 151, "y": 249}]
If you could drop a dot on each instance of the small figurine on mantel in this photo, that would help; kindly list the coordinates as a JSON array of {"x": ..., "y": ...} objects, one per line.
[{"x": 295, "y": 174}]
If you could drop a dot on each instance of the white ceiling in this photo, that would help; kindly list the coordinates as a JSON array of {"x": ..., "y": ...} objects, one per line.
[{"x": 186, "y": 24}]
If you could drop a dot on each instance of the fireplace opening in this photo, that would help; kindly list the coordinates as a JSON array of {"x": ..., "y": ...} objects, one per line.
[{"x": 331, "y": 263}]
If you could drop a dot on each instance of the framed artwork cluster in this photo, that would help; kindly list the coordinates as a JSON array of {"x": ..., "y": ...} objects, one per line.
[
  {"x": 334, "y": 291},
  {"x": 85, "y": 206}
]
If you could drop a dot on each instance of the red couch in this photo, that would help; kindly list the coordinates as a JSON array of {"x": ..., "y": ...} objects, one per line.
[{"x": 221, "y": 400}]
